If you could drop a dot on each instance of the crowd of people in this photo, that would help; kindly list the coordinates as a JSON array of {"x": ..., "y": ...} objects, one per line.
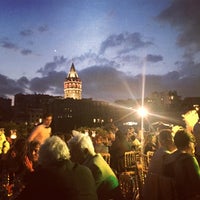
[
  {"x": 49, "y": 166},
  {"x": 174, "y": 171}
]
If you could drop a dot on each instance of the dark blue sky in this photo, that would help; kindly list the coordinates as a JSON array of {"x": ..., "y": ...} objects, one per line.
[{"x": 112, "y": 44}]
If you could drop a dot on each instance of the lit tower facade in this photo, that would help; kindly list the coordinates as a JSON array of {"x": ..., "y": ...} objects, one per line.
[{"x": 72, "y": 85}]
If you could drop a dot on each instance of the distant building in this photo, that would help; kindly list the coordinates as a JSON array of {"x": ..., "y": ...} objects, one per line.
[
  {"x": 73, "y": 85},
  {"x": 72, "y": 113},
  {"x": 5, "y": 109},
  {"x": 164, "y": 100},
  {"x": 30, "y": 107}
]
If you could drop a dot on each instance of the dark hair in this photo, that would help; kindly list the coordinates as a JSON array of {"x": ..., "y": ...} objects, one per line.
[
  {"x": 120, "y": 135},
  {"x": 133, "y": 137},
  {"x": 47, "y": 114},
  {"x": 32, "y": 145},
  {"x": 164, "y": 135},
  {"x": 182, "y": 139}
]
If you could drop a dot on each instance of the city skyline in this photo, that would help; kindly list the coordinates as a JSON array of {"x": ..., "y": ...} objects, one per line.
[{"x": 113, "y": 45}]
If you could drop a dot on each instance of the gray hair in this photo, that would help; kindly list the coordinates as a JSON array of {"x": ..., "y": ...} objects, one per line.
[
  {"x": 52, "y": 151},
  {"x": 83, "y": 141}
]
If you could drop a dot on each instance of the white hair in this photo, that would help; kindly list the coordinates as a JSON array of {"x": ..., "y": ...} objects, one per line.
[
  {"x": 52, "y": 151},
  {"x": 83, "y": 141}
]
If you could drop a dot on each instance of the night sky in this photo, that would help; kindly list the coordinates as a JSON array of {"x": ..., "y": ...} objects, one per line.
[{"x": 113, "y": 44}]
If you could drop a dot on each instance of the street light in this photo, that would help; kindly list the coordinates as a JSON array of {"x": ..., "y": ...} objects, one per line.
[{"x": 142, "y": 112}]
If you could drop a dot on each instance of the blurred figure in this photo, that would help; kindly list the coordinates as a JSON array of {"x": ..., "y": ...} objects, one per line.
[
  {"x": 153, "y": 188},
  {"x": 15, "y": 166},
  {"x": 42, "y": 131},
  {"x": 135, "y": 143},
  {"x": 132, "y": 139},
  {"x": 196, "y": 132},
  {"x": 150, "y": 143},
  {"x": 58, "y": 177},
  {"x": 16, "y": 157},
  {"x": 33, "y": 153},
  {"x": 82, "y": 151},
  {"x": 183, "y": 167},
  {"x": 111, "y": 136},
  {"x": 99, "y": 145},
  {"x": 131, "y": 132},
  {"x": 166, "y": 147},
  {"x": 117, "y": 151}
]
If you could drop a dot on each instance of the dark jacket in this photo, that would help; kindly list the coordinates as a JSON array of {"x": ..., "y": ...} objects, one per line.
[
  {"x": 184, "y": 169},
  {"x": 63, "y": 181}
]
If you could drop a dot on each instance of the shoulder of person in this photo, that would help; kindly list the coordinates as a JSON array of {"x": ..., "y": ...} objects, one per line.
[{"x": 39, "y": 126}]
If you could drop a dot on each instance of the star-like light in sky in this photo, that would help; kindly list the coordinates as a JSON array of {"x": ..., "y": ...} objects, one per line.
[{"x": 108, "y": 42}]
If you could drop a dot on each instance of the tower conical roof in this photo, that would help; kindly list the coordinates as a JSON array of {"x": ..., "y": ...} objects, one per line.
[
  {"x": 72, "y": 73},
  {"x": 72, "y": 85}
]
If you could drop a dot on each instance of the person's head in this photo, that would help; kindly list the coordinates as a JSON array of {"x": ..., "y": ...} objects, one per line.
[
  {"x": 133, "y": 137},
  {"x": 53, "y": 151},
  {"x": 80, "y": 147},
  {"x": 166, "y": 139},
  {"x": 47, "y": 119},
  {"x": 150, "y": 138},
  {"x": 33, "y": 150},
  {"x": 98, "y": 139},
  {"x": 185, "y": 141},
  {"x": 120, "y": 135},
  {"x": 111, "y": 135},
  {"x": 130, "y": 132}
]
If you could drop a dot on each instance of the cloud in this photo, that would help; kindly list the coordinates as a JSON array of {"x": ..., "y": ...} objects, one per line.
[
  {"x": 105, "y": 83},
  {"x": 189, "y": 68},
  {"x": 154, "y": 58},
  {"x": 92, "y": 59},
  {"x": 184, "y": 15},
  {"x": 43, "y": 28},
  {"x": 23, "y": 82},
  {"x": 9, "y": 86},
  {"x": 126, "y": 41},
  {"x": 26, "y": 51},
  {"x": 5, "y": 43},
  {"x": 51, "y": 66},
  {"x": 52, "y": 83},
  {"x": 26, "y": 32}
]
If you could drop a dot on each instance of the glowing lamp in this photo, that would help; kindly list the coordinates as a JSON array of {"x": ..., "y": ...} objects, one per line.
[
  {"x": 142, "y": 112},
  {"x": 13, "y": 134}
]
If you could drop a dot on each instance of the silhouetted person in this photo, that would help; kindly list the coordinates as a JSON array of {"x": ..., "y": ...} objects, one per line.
[
  {"x": 82, "y": 151},
  {"x": 183, "y": 167},
  {"x": 117, "y": 151},
  {"x": 42, "y": 131}
]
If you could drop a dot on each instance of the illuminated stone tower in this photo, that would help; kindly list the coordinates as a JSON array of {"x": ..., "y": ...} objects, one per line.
[{"x": 72, "y": 85}]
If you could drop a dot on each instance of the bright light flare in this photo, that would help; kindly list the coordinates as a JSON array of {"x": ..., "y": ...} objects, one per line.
[
  {"x": 13, "y": 134},
  {"x": 142, "y": 112}
]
